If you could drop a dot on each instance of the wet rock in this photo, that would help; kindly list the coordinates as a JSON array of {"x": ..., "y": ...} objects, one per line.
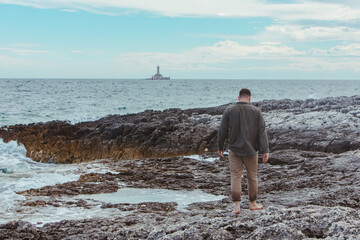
[
  {"x": 20, "y": 230},
  {"x": 35, "y": 203},
  {"x": 305, "y": 194},
  {"x": 145, "y": 207},
  {"x": 87, "y": 184},
  {"x": 148, "y": 134},
  {"x": 177, "y": 173},
  {"x": 96, "y": 177},
  {"x": 58, "y": 203}
]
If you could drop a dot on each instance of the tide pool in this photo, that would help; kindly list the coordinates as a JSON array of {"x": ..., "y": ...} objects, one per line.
[{"x": 139, "y": 195}]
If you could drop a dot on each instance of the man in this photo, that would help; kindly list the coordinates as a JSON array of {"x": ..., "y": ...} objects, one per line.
[{"x": 245, "y": 126}]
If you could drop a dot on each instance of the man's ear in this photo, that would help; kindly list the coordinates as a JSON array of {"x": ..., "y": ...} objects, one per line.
[{"x": 239, "y": 98}]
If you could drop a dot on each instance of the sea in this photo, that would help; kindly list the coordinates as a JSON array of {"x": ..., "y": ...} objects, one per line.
[{"x": 25, "y": 101}]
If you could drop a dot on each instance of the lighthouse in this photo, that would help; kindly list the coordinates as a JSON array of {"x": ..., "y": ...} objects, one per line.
[{"x": 158, "y": 76}]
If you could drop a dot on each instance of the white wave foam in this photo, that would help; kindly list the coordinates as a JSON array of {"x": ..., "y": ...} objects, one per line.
[
  {"x": 8, "y": 199},
  {"x": 23, "y": 173},
  {"x": 12, "y": 156}
]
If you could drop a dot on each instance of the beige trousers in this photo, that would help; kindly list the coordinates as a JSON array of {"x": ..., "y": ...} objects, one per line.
[{"x": 236, "y": 168}]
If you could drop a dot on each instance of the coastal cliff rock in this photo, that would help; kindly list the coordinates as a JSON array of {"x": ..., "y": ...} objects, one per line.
[
  {"x": 169, "y": 133},
  {"x": 328, "y": 125}
]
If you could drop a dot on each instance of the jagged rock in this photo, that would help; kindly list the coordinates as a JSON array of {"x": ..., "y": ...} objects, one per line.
[{"x": 147, "y": 134}]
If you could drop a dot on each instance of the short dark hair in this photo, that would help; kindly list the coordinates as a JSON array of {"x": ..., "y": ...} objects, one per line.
[{"x": 244, "y": 93}]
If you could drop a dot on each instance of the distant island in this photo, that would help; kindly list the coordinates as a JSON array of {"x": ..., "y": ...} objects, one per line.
[{"x": 158, "y": 76}]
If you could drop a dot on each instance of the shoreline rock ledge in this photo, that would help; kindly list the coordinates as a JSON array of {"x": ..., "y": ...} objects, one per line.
[{"x": 326, "y": 125}]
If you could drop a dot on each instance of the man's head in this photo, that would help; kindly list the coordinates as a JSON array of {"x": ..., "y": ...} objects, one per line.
[{"x": 244, "y": 95}]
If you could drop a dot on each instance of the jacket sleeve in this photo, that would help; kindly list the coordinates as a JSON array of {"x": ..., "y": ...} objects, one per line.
[
  {"x": 223, "y": 131},
  {"x": 262, "y": 134}
]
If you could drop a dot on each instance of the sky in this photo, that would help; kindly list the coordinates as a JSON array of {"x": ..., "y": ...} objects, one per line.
[{"x": 189, "y": 39}]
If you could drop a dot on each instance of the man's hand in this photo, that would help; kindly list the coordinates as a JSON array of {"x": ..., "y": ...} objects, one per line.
[
  {"x": 265, "y": 157},
  {"x": 221, "y": 153}
]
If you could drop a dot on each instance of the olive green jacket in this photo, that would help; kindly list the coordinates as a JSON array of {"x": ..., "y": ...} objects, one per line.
[{"x": 244, "y": 124}]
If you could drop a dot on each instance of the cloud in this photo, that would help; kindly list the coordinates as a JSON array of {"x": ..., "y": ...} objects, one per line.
[
  {"x": 308, "y": 65},
  {"x": 321, "y": 64},
  {"x": 68, "y": 10},
  {"x": 28, "y": 51},
  {"x": 314, "y": 33},
  {"x": 311, "y": 10},
  {"x": 232, "y": 56},
  {"x": 340, "y": 50},
  {"x": 23, "y": 51},
  {"x": 78, "y": 51},
  {"x": 7, "y": 62},
  {"x": 228, "y": 50},
  {"x": 207, "y": 57},
  {"x": 23, "y": 45}
]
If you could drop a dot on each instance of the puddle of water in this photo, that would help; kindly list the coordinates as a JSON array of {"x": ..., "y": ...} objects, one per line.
[
  {"x": 46, "y": 214},
  {"x": 139, "y": 195},
  {"x": 41, "y": 215},
  {"x": 201, "y": 158}
]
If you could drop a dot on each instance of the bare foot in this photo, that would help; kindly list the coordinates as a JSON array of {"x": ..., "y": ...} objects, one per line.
[
  {"x": 255, "y": 206},
  {"x": 236, "y": 211},
  {"x": 237, "y": 207}
]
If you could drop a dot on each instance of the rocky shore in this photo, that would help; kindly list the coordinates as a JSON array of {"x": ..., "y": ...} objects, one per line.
[
  {"x": 310, "y": 187},
  {"x": 327, "y": 125}
]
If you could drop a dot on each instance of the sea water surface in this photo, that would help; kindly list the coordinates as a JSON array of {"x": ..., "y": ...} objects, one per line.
[
  {"x": 75, "y": 100},
  {"x": 26, "y": 101}
]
